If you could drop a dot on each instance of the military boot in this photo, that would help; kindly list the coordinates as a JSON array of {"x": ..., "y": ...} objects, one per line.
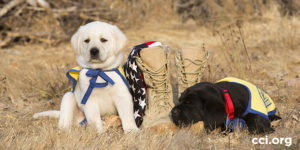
[
  {"x": 191, "y": 64},
  {"x": 154, "y": 63}
]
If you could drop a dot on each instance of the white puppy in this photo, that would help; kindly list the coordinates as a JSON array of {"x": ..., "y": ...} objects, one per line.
[{"x": 98, "y": 46}]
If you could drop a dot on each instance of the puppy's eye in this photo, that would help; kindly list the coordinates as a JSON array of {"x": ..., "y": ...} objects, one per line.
[
  {"x": 87, "y": 40},
  {"x": 103, "y": 40}
]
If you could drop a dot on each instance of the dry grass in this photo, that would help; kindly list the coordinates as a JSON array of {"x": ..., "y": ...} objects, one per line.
[{"x": 264, "y": 51}]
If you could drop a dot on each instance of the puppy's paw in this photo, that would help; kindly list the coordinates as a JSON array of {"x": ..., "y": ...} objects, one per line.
[{"x": 64, "y": 124}]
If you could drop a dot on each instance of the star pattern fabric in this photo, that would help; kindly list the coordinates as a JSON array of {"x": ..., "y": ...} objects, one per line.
[{"x": 136, "y": 81}]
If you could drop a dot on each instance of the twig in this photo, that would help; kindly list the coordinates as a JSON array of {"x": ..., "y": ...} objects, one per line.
[
  {"x": 236, "y": 50},
  {"x": 226, "y": 48},
  {"x": 9, "y": 6},
  {"x": 84, "y": 16},
  {"x": 245, "y": 48},
  {"x": 70, "y": 9},
  {"x": 184, "y": 5}
]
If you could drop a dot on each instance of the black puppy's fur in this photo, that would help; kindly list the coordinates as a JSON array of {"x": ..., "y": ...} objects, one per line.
[{"x": 206, "y": 102}]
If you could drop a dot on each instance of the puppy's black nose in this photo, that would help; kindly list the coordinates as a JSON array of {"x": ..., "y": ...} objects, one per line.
[
  {"x": 94, "y": 51},
  {"x": 175, "y": 112}
]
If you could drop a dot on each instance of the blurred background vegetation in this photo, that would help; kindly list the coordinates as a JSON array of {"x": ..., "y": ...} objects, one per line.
[{"x": 54, "y": 21}]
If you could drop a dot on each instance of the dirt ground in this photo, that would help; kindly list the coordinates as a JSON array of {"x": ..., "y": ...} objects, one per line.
[{"x": 32, "y": 79}]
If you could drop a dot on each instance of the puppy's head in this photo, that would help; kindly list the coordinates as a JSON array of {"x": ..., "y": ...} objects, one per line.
[
  {"x": 201, "y": 102},
  {"x": 98, "y": 45},
  {"x": 189, "y": 110}
]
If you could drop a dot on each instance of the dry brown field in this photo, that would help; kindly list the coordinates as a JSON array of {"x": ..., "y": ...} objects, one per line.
[{"x": 262, "y": 48}]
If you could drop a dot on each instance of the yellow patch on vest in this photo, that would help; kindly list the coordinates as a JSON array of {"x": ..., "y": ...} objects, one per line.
[
  {"x": 121, "y": 71},
  {"x": 74, "y": 73}
]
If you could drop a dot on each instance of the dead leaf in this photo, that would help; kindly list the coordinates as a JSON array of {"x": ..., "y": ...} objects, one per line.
[
  {"x": 275, "y": 123},
  {"x": 295, "y": 117}
]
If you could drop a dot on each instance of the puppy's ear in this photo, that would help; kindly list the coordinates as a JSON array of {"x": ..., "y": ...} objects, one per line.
[
  {"x": 214, "y": 106},
  {"x": 121, "y": 39},
  {"x": 75, "y": 42}
]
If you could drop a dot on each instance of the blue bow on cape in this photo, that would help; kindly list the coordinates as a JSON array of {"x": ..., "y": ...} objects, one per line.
[{"x": 94, "y": 73}]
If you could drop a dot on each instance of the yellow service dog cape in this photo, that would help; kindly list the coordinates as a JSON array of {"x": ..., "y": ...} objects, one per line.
[{"x": 259, "y": 102}]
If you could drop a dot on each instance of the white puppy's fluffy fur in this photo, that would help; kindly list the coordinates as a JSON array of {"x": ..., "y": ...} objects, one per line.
[{"x": 112, "y": 99}]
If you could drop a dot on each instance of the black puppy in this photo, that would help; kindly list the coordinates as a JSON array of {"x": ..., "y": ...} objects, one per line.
[{"x": 207, "y": 102}]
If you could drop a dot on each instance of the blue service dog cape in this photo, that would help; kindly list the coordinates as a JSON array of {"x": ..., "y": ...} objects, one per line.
[
  {"x": 259, "y": 103},
  {"x": 73, "y": 75}
]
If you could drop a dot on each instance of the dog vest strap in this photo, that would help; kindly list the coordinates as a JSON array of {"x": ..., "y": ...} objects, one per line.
[
  {"x": 120, "y": 72},
  {"x": 235, "y": 123},
  {"x": 94, "y": 73},
  {"x": 229, "y": 105},
  {"x": 73, "y": 75},
  {"x": 83, "y": 122}
]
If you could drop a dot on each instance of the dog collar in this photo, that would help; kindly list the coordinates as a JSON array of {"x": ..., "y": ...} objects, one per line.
[{"x": 229, "y": 105}]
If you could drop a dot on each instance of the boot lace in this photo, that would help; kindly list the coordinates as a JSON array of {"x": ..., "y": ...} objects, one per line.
[{"x": 196, "y": 74}]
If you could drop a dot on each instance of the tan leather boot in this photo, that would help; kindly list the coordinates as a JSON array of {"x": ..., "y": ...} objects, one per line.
[
  {"x": 154, "y": 63},
  {"x": 190, "y": 63}
]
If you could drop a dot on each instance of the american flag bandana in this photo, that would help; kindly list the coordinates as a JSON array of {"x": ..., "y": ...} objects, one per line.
[{"x": 136, "y": 81}]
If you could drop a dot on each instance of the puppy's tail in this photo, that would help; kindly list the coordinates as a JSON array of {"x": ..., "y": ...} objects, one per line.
[{"x": 49, "y": 113}]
